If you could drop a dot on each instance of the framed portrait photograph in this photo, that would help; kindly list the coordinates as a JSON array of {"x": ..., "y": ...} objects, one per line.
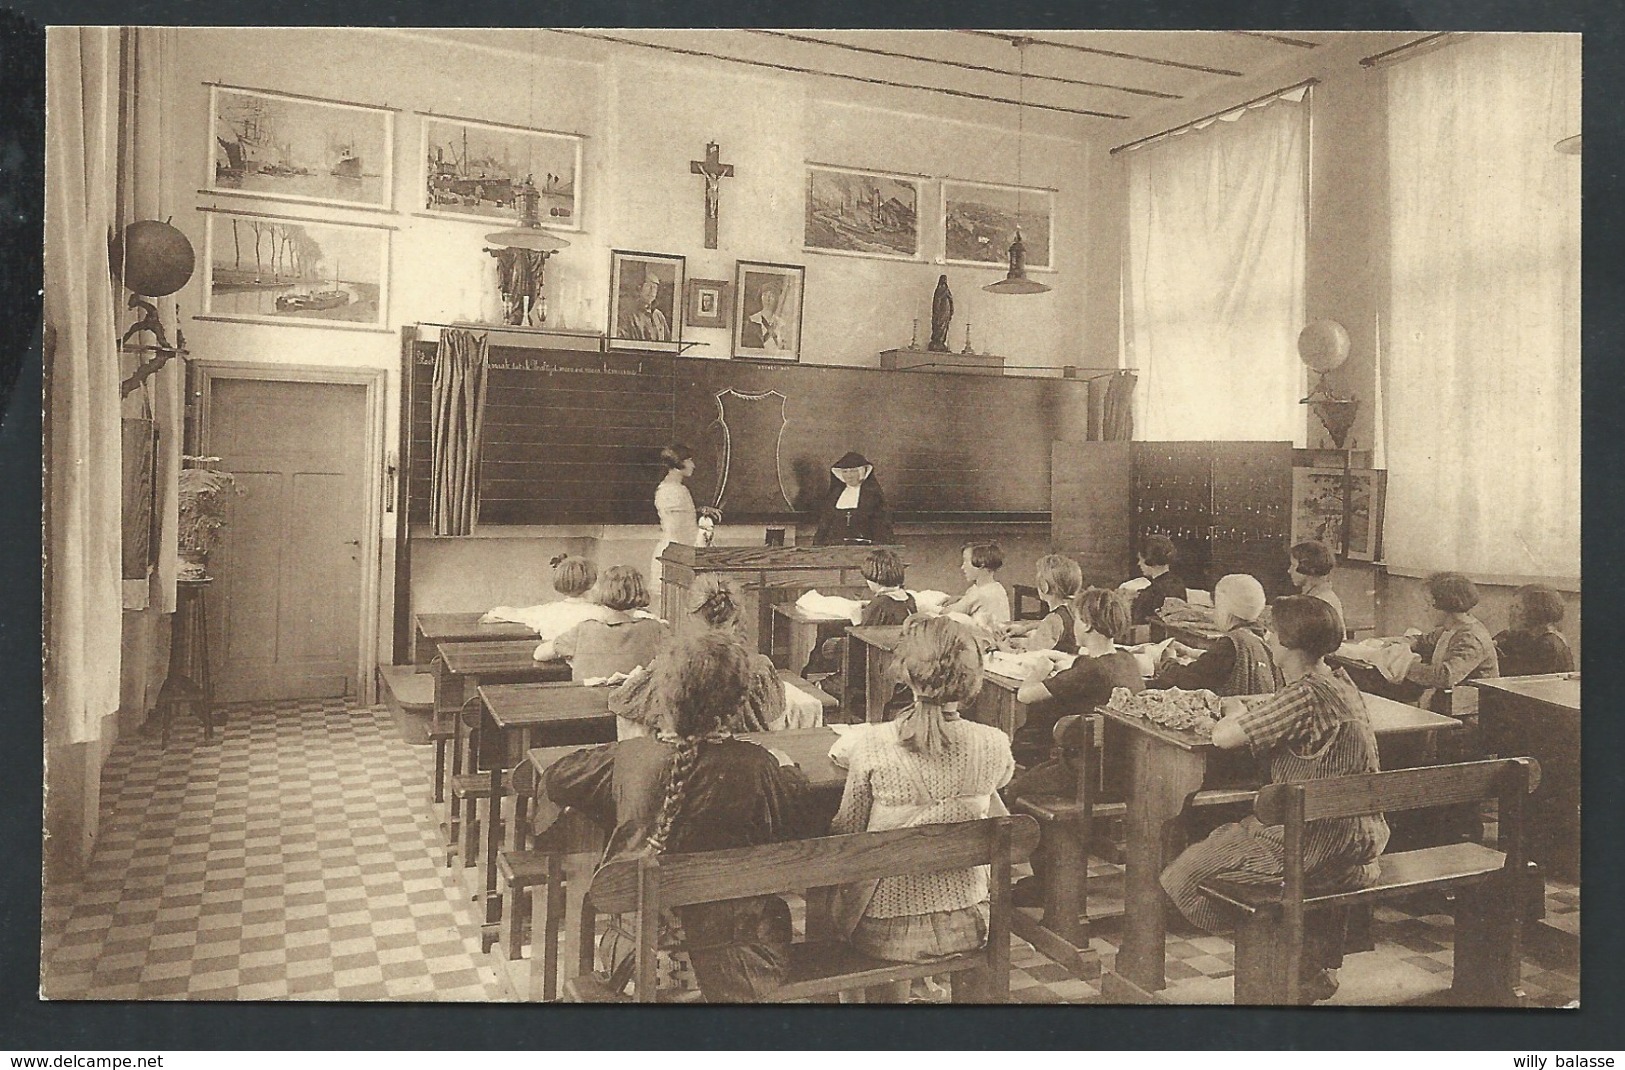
[
  {"x": 269, "y": 269},
  {"x": 979, "y": 221},
  {"x": 295, "y": 148},
  {"x": 1317, "y": 510},
  {"x": 474, "y": 170},
  {"x": 862, "y": 213},
  {"x": 767, "y": 310},
  {"x": 709, "y": 304},
  {"x": 645, "y": 290}
]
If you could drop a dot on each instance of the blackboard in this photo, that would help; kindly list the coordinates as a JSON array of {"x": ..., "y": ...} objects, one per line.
[{"x": 575, "y": 437}]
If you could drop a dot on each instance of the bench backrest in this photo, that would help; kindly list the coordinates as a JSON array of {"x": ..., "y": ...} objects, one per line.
[
  {"x": 796, "y": 865},
  {"x": 1403, "y": 789}
]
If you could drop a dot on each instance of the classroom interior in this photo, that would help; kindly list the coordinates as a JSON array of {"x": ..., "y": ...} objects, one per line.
[{"x": 1289, "y": 285}]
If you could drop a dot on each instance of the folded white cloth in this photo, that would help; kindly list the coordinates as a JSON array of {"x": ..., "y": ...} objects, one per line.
[
  {"x": 828, "y": 605},
  {"x": 930, "y": 601},
  {"x": 606, "y": 681},
  {"x": 1020, "y": 666},
  {"x": 1146, "y": 656},
  {"x": 1138, "y": 583},
  {"x": 801, "y": 710},
  {"x": 1363, "y": 652},
  {"x": 1394, "y": 661}
]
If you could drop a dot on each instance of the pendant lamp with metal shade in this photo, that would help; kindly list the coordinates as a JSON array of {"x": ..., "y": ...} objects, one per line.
[{"x": 1015, "y": 280}]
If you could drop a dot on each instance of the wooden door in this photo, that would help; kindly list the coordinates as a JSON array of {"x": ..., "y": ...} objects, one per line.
[
  {"x": 1092, "y": 508},
  {"x": 285, "y": 605}
]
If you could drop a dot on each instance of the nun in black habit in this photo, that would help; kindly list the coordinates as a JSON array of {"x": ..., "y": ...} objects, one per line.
[{"x": 854, "y": 508}]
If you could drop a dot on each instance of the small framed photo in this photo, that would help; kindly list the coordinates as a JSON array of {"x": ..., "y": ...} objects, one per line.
[
  {"x": 645, "y": 290},
  {"x": 979, "y": 220},
  {"x": 307, "y": 272},
  {"x": 709, "y": 304},
  {"x": 474, "y": 171},
  {"x": 294, "y": 148},
  {"x": 767, "y": 310}
]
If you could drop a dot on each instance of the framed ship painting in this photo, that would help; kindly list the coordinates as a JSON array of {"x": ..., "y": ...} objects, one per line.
[
  {"x": 645, "y": 301},
  {"x": 294, "y": 148},
  {"x": 979, "y": 221},
  {"x": 862, "y": 213},
  {"x": 767, "y": 310},
  {"x": 268, "y": 269},
  {"x": 474, "y": 170}
]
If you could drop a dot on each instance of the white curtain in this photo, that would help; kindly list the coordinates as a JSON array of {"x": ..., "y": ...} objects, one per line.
[
  {"x": 1214, "y": 272},
  {"x": 82, "y": 394},
  {"x": 1481, "y": 361}
]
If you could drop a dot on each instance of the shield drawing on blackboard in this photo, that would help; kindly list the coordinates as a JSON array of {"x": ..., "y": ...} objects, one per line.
[{"x": 752, "y": 439}]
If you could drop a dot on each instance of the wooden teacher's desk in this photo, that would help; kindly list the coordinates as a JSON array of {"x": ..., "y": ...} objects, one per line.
[
  {"x": 434, "y": 629},
  {"x": 1539, "y": 716},
  {"x": 1166, "y": 768},
  {"x": 766, "y": 575}
]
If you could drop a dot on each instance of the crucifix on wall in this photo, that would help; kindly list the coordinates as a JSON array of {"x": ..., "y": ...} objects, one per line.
[{"x": 714, "y": 171}]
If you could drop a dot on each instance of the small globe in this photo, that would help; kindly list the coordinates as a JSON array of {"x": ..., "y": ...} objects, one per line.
[
  {"x": 156, "y": 258},
  {"x": 1323, "y": 345}
]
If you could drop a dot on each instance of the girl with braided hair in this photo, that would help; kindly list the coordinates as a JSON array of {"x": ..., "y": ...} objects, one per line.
[
  {"x": 928, "y": 767},
  {"x": 693, "y": 787},
  {"x": 714, "y": 604}
]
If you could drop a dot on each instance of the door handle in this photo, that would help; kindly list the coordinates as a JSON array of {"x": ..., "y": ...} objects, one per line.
[{"x": 353, "y": 542}]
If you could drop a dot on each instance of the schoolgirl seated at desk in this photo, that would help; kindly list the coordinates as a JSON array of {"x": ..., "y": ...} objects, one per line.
[
  {"x": 1531, "y": 644},
  {"x": 1103, "y": 621},
  {"x": 1157, "y": 558},
  {"x": 619, "y": 642},
  {"x": 1240, "y": 662},
  {"x": 985, "y": 600},
  {"x": 573, "y": 577},
  {"x": 1059, "y": 581}
]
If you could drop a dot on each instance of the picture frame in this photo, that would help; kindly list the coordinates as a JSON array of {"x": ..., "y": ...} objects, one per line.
[
  {"x": 469, "y": 169},
  {"x": 852, "y": 212},
  {"x": 286, "y": 147},
  {"x": 709, "y": 303},
  {"x": 261, "y": 268},
  {"x": 767, "y": 306},
  {"x": 1317, "y": 510},
  {"x": 645, "y": 292},
  {"x": 979, "y": 221}
]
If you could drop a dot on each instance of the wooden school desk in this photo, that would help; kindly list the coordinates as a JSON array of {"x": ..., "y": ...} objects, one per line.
[
  {"x": 1166, "y": 768},
  {"x": 434, "y": 629},
  {"x": 516, "y": 718},
  {"x": 462, "y": 667},
  {"x": 1539, "y": 717},
  {"x": 801, "y": 633},
  {"x": 870, "y": 658}
]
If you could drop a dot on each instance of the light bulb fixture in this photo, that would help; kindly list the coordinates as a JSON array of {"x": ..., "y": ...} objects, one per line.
[
  {"x": 1015, "y": 280},
  {"x": 521, "y": 254}
]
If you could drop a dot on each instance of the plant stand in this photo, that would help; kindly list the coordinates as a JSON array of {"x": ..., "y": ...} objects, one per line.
[{"x": 187, "y": 686}]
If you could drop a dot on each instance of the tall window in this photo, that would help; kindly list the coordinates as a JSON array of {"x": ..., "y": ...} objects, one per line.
[
  {"x": 1481, "y": 361},
  {"x": 1214, "y": 271}
]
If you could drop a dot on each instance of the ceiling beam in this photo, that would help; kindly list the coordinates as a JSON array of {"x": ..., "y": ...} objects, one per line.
[
  {"x": 1016, "y": 39},
  {"x": 804, "y": 39},
  {"x": 793, "y": 69}
]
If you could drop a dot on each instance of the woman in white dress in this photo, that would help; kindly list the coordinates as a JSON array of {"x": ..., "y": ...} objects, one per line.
[{"x": 679, "y": 520}]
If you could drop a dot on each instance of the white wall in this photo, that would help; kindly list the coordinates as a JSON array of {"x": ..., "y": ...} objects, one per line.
[{"x": 645, "y": 116}]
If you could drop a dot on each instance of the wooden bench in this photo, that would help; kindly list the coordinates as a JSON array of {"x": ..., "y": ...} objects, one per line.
[
  {"x": 1483, "y": 881},
  {"x": 820, "y": 966},
  {"x": 409, "y": 694},
  {"x": 1066, "y": 830}
]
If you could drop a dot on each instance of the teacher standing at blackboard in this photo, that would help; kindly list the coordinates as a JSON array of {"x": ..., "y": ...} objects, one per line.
[
  {"x": 854, "y": 508},
  {"x": 679, "y": 520}
]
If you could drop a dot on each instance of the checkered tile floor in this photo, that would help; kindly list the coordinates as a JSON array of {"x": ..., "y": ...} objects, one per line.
[{"x": 297, "y": 858}]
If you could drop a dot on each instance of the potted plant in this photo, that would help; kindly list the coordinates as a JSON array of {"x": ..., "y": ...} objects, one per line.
[{"x": 202, "y": 504}]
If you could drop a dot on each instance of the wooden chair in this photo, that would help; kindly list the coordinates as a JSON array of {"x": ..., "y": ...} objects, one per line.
[
  {"x": 1483, "y": 880},
  {"x": 820, "y": 966},
  {"x": 1028, "y": 606},
  {"x": 1066, "y": 831}
]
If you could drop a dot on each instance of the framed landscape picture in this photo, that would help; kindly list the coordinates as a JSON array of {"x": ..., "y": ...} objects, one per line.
[
  {"x": 1317, "y": 509},
  {"x": 862, "y": 213},
  {"x": 474, "y": 170},
  {"x": 767, "y": 310},
  {"x": 267, "y": 269},
  {"x": 296, "y": 148},
  {"x": 645, "y": 292},
  {"x": 710, "y": 303},
  {"x": 979, "y": 221}
]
